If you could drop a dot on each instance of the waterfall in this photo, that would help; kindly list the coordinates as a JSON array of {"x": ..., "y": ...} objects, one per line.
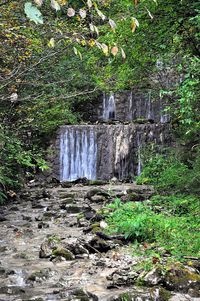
[
  {"x": 130, "y": 113},
  {"x": 164, "y": 117},
  {"x": 139, "y": 166},
  {"x": 148, "y": 107},
  {"x": 78, "y": 152},
  {"x": 109, "y": 108}
]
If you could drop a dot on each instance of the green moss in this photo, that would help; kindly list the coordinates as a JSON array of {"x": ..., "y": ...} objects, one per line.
[{"x": 63, "y": 252}]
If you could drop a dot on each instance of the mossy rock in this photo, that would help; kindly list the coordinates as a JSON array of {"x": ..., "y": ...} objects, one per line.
[
  {"x": 131, "y": 197},
  {"x": 181, "y": 279},
  {"x": 96, "y": 229},
  {"x": 63, "y": 252},
  {"x": 97, "y": 182}
]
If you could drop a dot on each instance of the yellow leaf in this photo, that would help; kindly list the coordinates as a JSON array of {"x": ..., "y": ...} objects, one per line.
[
  {"x": 105, "y": 49},
  {"x": 62, "y": 2},
  {"x": 91, "y": 42},
  {"x": 38, "y": 2},
  {"x": 134, "y": 24},
  {"x": 114, "y": 50},
  {"x": 51, "y": 43}
]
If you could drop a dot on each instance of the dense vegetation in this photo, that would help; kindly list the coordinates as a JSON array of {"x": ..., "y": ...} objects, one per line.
[
  {"x": 164, "y": 224},
  {"x": 46, "y": 69}
]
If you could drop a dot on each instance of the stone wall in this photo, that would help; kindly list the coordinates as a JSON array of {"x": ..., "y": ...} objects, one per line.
[
  {"x": 129, "y": 106},
  {"x": 118, "y": 147}
]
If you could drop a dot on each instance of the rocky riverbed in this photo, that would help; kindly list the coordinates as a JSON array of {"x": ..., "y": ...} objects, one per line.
[{"x": 51, "y": 250}]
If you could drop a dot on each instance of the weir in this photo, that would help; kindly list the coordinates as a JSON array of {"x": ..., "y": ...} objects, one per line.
[{"x": 112, "y": 148}]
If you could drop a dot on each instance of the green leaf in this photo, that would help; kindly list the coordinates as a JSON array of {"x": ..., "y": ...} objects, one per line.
[{"x": 33, "y": 13}]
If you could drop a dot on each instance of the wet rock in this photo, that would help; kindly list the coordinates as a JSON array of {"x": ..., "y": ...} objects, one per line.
[
  {"x": 98, "y": 199},
  {"x": 181, "y": 279},
  {"x": 154, "y": 277},
  {"x": 43, "y": 225},
  {"x": 81, "y": 295},
  {"x": 66, "y": 184},
  {"x": 75, "y": 208},
  {"x": 96, "y": 191},
  {"x": 37, "y": 205},
  {"x": 2, "y": 218},
  {"x": 122, "y": 277},
  {"x": 97, "y": 244},
  {"x": 89, "y": 214},
  {"x": 27, "y": 218},
  {"x": 39, "y": 275},
  {"x": 63, "y": 252},
  {"x": 2, "y": 271},
  {"x": 14, "y": 208},
  {"x": 66, "y": 202},
  {"x": 3, "y": 249},
  {"x": 47, "y": 247},
  {"x": 132, "y": 197}
]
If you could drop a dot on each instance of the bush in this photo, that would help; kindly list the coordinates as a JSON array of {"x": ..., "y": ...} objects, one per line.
[
  {"x": 173, "y": 225},
  {"x": 169, "y": 174}
]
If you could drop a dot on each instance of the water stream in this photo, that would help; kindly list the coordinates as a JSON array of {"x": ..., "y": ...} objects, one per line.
[
  {"x": 109, "y": 107},
  {"x": 78, "y": 151}
]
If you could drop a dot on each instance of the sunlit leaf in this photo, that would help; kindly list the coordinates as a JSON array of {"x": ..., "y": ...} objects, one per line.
[
  {"x": 123, "y": 53},
  {"x": 89, "y": 3},
  {"x": 98, "y": 45},
  {"x": 75, "y": 50},
  {"x": 38, "y": 2},
  {"x": 51, "y": 43},
  {"x": 82, "y": 13},
  {"x": 91, "y": 27},
  {"x": 33, "y": 13},
  {"x": 114, "y": 50},
  {"x": 134, "y": 24},
  {"x": 71, "y": 12},
  {"x": 96, "y": 30},
  {"x": 149, "y": 13},
  {"x": 100, "y": 14},
  {"x": 105, "y": 49},
  {"x": 91, "y": 42},
  {"x": 112, "y": 24},
  {"x": 55, "y": 5},
  {"x": 62, "y": 2},
  {"x": 80, "y": 55}
]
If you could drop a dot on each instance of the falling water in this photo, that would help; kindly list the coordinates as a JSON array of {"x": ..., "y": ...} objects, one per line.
[
  {"x": 130, "y": 113},
  {"x": 78, "y": 152},
  {"x": 109, "y": 108},
  {"x": 139, "y": 166},
  {"x": 149, "y": 111},
  {"x": 164, "y": 118}
]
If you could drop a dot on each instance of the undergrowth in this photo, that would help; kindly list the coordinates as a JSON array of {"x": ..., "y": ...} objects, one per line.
[{"x": 168, "y": 222}]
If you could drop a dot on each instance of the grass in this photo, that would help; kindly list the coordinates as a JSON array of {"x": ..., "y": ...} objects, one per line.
[{"x": 170, "y": 222}]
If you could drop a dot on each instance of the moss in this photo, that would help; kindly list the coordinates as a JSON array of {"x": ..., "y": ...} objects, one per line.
[
  {"x": 54, "y": 238},
  {"x": 97, "y": 182},
  {"x": 164, "y": 295},
  {"x": 63, "y": 252},
  {"x": 96, "y": 229}
]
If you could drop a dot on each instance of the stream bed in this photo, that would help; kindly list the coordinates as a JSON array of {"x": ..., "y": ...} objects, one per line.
[{"x": 48, "y": 253}]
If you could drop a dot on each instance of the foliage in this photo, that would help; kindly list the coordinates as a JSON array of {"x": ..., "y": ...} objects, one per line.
[
  {"x": 167, "y": 170},
  {"x": 17, "y": 161},
  {"x": 177, "y": 231},
  {"x": 83, "y": 47}
]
